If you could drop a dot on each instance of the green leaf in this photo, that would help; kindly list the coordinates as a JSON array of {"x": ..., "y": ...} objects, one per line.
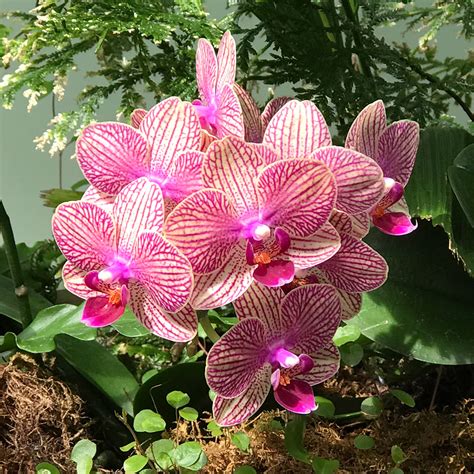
[
  {"x": 162, "y": 446},
  {"x": 127, "y": 447},
  {"x": 135, "y": 463},
  {"x": 345, "y": 334},
  {"x": 398, "y": 455},
  {"x": 148, "y": 421},
  {"x": 189, "y": 414},
  {"x": 39, "y": 336},
  {"x": 186, "y": 454},
  {"x": 372, "y": 406},
  {"x": 425, "y": 309},
  {"x": 199, "y": 464},
  {"x": 396, "y": 470},
  {"x": 326, "y": 408},
  {"x": 214, "y": 428},
  {"x": 364, "y": 442},
  {"x": 325, "y": 466},
  {"x": 159, "y": 451},
  {"x": 83, "y": 454},
  {"x": 245, "y": 470},
  {"x": 149, "y": 374},
  {"x": 46, "y": 468},
  {"x": 241, "y": 440},
  {"x": 403, "y": 396},
  {"x": 294, "y": 434},
  {"x": 351, "y": 353},
  {"x": 177, "y": 399},
  {"x": 96, "y": 364},
  {"x": 128, "y": 325},
  {"x": 461, "y": 177}
]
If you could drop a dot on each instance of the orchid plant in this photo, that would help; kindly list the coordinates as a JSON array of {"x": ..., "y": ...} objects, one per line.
[{"x": 197, "y": 205}]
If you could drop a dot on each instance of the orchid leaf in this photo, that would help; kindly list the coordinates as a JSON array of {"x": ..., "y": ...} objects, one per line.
[
  {"x": 294, "y": 435},
  {"x": 128, "y": 325}
]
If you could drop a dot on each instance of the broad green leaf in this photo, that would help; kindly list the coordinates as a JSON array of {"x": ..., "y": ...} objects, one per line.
[
  {"x": 83, "y": 454},
  {"x": 294, "y": 434},
  {"x": 128, "y": 325},
  {"x": 372, "y": 406},
  {"x": 345, "y": 334},
  {"x": 426, "y": 308},
  {"x": 364, "y": 442},
  {"x": 186, "y": 454},
  {"x": 159, "y": 451},
  {"x": 214, "y": 428},
  {"x": 325, "y": 466},
  {"x": 162, "y": 446},
  {"x": 177, "y": 399},
  {"x": 135, "y": 463},
  {"x": 199, "y": 464},
  {"x": 326, "y": 408},
  {"x": 127, "y": 447},
  {"x": 461, "y": 177},
  {"x": 60, "y": 319},
  {"x": 351, "y": 353},
  {"x": 149, "y": 374},
  {"x": 148, "y": 421},
  {"x": 46, "y": 468},
  {"x": 403, "y": 396},
  {"x": 189, "y": 414},
  {"x": 241, "y": 440},
  {"x": 245, "y": 470},
  {"x": 398, "y": 456},
  {"x": 96, "y": 364}
]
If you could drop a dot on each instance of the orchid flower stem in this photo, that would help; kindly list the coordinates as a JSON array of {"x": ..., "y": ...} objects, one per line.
[
  {"x": 21, "y": 291},
  {"x": 208, "y": 329}
]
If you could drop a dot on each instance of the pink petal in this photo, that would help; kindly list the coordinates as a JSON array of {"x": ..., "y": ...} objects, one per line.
[
  {"x": 394, "y": 223},
  {"x": 356, "y": 267},
  {"x": 206, "y": 70},
  {"x": 162, "y": 270},
  {"x": 98, "y": 312},
  {"x": 297, "y": 397},
  {"x": 306, "y": 252},
  {"x": 310, "y": 316},
  {"x": 297, "y": 130},
  {"x": 235, "y": 359},
  {"x": 366, "y": 129},
  {"x": 139, "y": 206},
  {"x": 177, "y": 327},
  {"x": 206, "y": 140},
  {"x": 85, "y": 234},
  {"x": 73, "y": 279},
  {"x": 103, "y": 200},
  {"x": 397, "y": 149},
  {"x": 271, "y": 109},
  {"x": 357, "y": 225},
  {"x": 226, "y": 62},
  {"x": 296, "y": 195},
  {"x": 205, "y": 228},
  {"x": 232, "y": 166},
  {"x": 232, "y": 411},
  {"x": 359, "y": 179},
  {"x": 229, "y": 119},
  {"x": 225, "y": 285},
  {"x": 351, "y": 303},
  {"x": 251, "y": 115},
  {"x": 111, "y": 155},
  {"x": 268, "y": 155},
  {"x": 326, "y": 364},
  {"x": 137, "y": 117},
  {"x": 393, "y": 193},
  {"x": 170, "y": 127},
  {"x": 276, "y": 273}
]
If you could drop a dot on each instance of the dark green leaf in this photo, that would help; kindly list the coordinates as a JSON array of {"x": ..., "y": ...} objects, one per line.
[
  {"x": 294, "y": 435},
  {"x": 148, "y": 421},
  {"x": 245, "y": 470},
  {"x": 325, "y": 466},
  {"x": 396, "y": 470},
  {"x": 241, "y": 440},
  {"x": 364, "y": 442},
  {"x": 398, "y": 456},
  {"x": 326, "y": 408},
  {"x": 189, "y": 414},
  {"x": 135, "y": 463},
  {"x": 403, "y": 396},
  {"x": 372, "y": 406},
  {"x": 128, "y": 325},
  {"x": 177, "y": 399},
  {"x": 351, "y": 353}
]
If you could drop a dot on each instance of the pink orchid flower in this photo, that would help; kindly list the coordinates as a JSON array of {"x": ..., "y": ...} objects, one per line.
[
  {"x": 394, "y": 148},
  {"x": 165, "y": 149},
  {"x": 255, "y": 123},
  {"x": 218, "y": 109},
  {"x": 298, "y": 130},
  {"x": 258, "y": 219},
  {"x": 282, "y": 342},
  {"x": 120, "y": 258}
]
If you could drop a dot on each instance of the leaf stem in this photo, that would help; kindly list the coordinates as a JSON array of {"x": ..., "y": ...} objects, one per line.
[
  {"x": 208, "y": 329},
  {"x": 21, "y": 291}
]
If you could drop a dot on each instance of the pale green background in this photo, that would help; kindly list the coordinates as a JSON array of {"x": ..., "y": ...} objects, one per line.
[{"x": 24, "y": 171}]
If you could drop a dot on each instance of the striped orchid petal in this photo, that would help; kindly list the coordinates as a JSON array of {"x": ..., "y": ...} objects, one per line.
[
  {"x": 296, "y": 195},
  {"x": 357, "y": 225},
  {"x": 297, "y": 130},
  {"x": 206, "y": 140},
  {"x": 232, "y": 166},
  {"x": 234, "y": 361},
  {"x": 271, "y": 109},
  {"x": 310, "y": 316},
  {"x": 232, "y": 411},
  {"x": 103, "y": 200},
  {"x": 307, "y": 252},
  {"x": 169, "y": 127},
  {"x": 397, "y": 149},
  {"x": 224, "y": 285},
  {"x": 351, "y": 303},
  {"x": 111, "y": 155},
  {"x": 356, "y": 267},
  {"x": 138, "y": 206},
  {"x": 136, "y": 117},
  {"x": 162, "y": 270},
  {"x": 205, "y": 228},
  {"x": 366, "y": 129},
  {"x": 177, "y": 327},
  {"x": 229, "y": 119},
  {"x": 73, "y": 278},
  {"x": 251, "y": 115},
  {"x": 268, "y": 155},
  {"x": 359, "y": 179},
  {"x": 394, "y": 223},
  {"x": 226, "y": 62},
  {"x": 326, "y": 364},
  {"x": 206, "y": 70},
  {"x": 85, "y": 233}
]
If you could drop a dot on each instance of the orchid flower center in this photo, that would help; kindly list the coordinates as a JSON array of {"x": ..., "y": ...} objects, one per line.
[
  {"x": 393, "y": 194},
  {"x": 207, "y": 115},
  {"x": 115, "y": 296},
  {"x": 286, "y": 366},
  {"x": 262, "y": 247}
]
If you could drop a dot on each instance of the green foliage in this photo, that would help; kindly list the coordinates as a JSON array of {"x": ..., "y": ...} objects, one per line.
[
  {"x": 398, "y": 456},
  {"x": 128, "y": 325},
  {"x": 46, "y": 468},
  {"x": 352, "y": 353},
  {"x": 214, "y": 428},
  {"x": 345, "y": 334},
  {"x": 372, "y": 406},
  {"x": 177, "y": 399},
  {"x": 364, "y": 442},
  {"x": 147, "y": 421},
  {"x": 189, "y": 414},
  {"x": 241, "y": 440},
  {"x": 190, "y": 456},
  {"x": 160, "y": 452},
  {"x": 135, "y": 463},
  {"x": 403, "y": 396},
  {"x": 83, "y": 454},
  {"x": 325, "y": 466},
  {"x": 294, "y": 434},
  {"x": 245, "y": 470},
  {"x": 326, "y": 407}
]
